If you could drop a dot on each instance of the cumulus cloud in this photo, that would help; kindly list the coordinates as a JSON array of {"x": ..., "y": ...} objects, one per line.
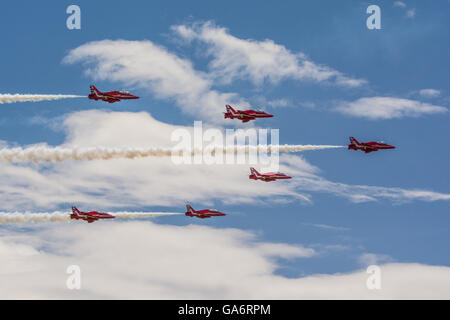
[
  {"x": 153, "y": 68},
  {"x": 257, "y": 61},
  {"x": 138, "y": 183},
  {"x": 375, "y": 108},
  {"x": 192, "y": 262}
]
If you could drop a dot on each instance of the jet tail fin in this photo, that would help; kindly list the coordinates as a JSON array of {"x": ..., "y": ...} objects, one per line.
[
  {"x": 253, "y": 171},
  {"x": 94, "y": 90},
  {"x": 75, "y": 210},
  {"x": 230, "y": 109},
  {"x": 354, "y": 141},
  {"x": 190, "y": 209}
]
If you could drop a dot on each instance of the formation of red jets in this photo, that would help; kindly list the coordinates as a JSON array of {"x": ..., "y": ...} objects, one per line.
[
  {"x": 92, "y": 216},
  {"x": 231, "y": 113}
]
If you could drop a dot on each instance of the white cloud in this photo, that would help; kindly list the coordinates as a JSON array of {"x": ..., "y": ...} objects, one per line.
[
  {"x": 307, "y": 104},
  {"x": 329, "y": 227},
  {"x": 154, "y": 68},
  {"x": 284, "y": 251},
  {"x": 400, "y": 4},
  {"x": 308, "y": 179},
  {"x": 3, "y": 144},
  {"x": 411, "y": 13},
  {"x": 235, "y": 58},
  {"x": 133, "y": 184},
  {"x": 193, "y": 262},
  {"x": 278, "y": 103},
  {"x": 262, "y": 102},
  {"x": 388, "y": 108},
  {"x": 430, "y": 93},
  {"x": 368, "y": 259}
]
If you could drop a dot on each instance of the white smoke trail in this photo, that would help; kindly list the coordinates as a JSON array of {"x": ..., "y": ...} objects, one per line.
[
  {"x": 57, "y": 154},
  {"x": 17, "y": 217},
  {"x": 11, "y": 98},
  {"x": 59, "y": 216},
  {"x": 137, "y": 215}
]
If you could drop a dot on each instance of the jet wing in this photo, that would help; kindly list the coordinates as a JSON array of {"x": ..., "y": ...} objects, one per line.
[
  {"x": 112, "y": 100},
  {"x": 90, "y": 218}
]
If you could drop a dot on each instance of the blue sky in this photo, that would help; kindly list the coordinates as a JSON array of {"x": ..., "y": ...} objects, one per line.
[{"x": 409, "y": 54}]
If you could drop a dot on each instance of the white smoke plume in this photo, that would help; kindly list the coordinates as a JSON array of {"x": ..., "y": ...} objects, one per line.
[
  {"x": 16, "y": 217},
  {"x": 137, "y": 215},
  {"x": 58, "y": 154},
  {"x": 59, "y": 216},
  {"x": 11, "y": 98}
]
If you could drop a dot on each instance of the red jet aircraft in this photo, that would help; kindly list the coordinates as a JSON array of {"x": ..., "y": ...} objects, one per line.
[
  {"x": 267, "y": 177},
  {"x": 246, "y": 115},
  {"x": 111, "y": 97},
  {"x": 202, "y": 214},
  {"x": 89, "y": 216},
  {"x": 368, "y": 146}
]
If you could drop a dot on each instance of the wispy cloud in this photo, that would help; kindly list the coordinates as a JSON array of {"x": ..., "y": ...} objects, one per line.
[
  {"x": 430, "y": 93},
  {"x": 399, "y": 4},
  {"x": 257, "y": 61},
  {"x": 329, "y": 227},
  {"x": 376, "y": 108},
  {"x": 153, "y": 68},
  {"x": 277, "y": 103},
  {"x": 410, "y": 13},
  {"x": 367, "y": 259},
  {"x": 308, "y": 179}
]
